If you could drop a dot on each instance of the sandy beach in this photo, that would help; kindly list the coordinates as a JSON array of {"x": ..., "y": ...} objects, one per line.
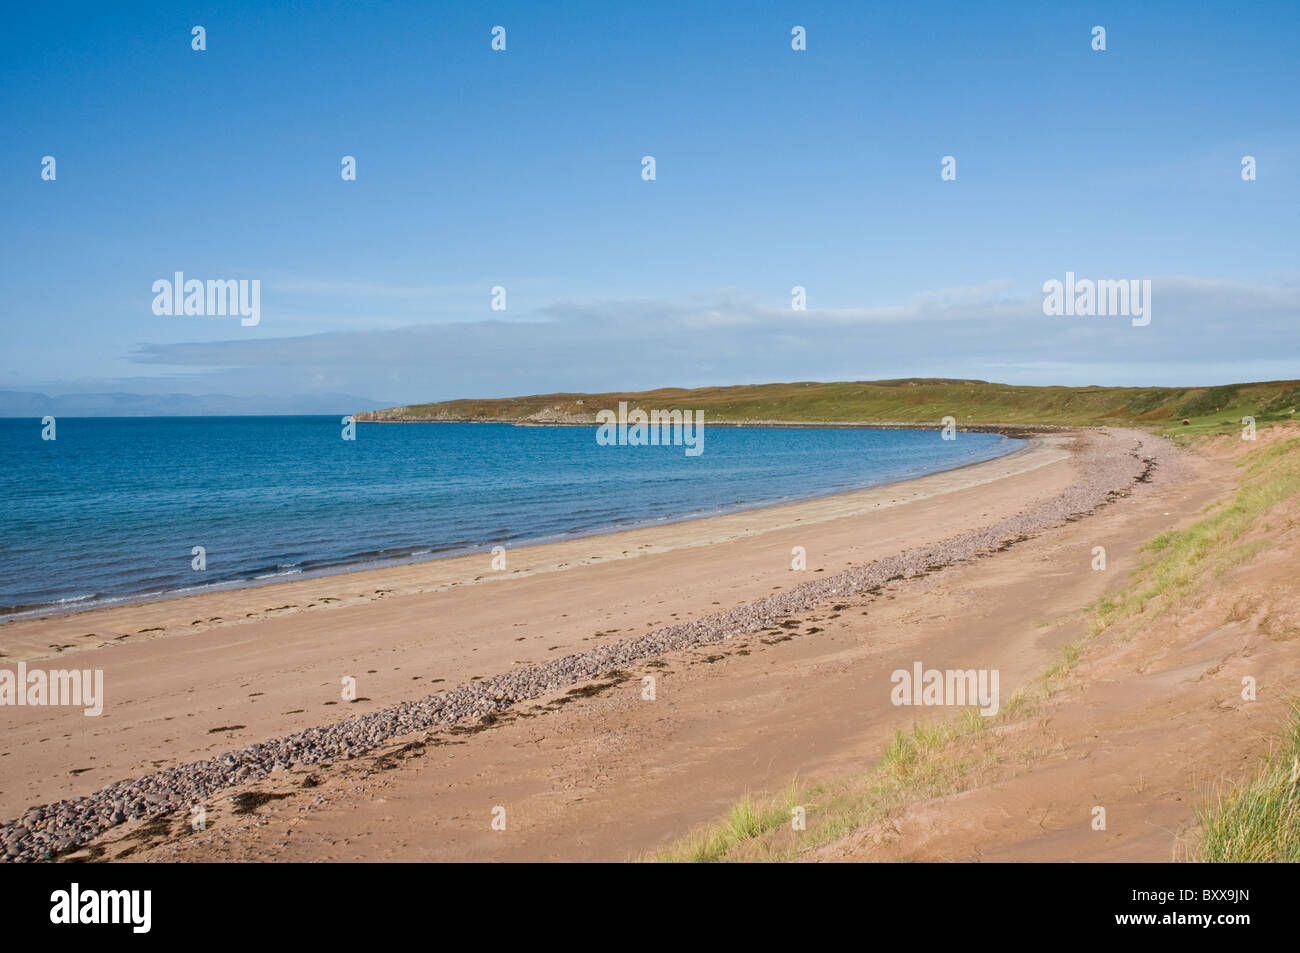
[
  {"x": 593, "y": 434},
  {"x": 190, "y": 679}
]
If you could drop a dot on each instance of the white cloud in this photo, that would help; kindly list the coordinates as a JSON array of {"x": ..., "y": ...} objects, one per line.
[{"x": 1199, "y": 327}]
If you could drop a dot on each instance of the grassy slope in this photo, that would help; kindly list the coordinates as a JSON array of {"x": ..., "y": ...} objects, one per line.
[
  {"x": 906, "y": 401},
  {"x": 1260, "y": 821}
]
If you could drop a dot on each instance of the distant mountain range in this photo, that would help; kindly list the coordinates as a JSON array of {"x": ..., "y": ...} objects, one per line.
[{"x": 29, "y": 404}]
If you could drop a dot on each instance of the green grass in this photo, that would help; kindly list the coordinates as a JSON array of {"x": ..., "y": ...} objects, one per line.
[
  {"x": 925, "y": 401},
  {"x": 1180, "y": 560},
  {"x": 746, "y": 822},
  {"x": 1260, "y": 821},
  {"x": 911, "y": 766},
  {"x": 930, "y": 759}
]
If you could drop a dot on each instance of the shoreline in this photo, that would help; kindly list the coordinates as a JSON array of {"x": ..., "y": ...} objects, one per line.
[
  {"x": 80, "y": 607},
  {"x": 950, "y": 521},
  {"x": 1017, "y": 431}
]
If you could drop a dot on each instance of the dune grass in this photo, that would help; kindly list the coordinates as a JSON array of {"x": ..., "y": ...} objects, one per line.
[
  {"x": 1187, "y": 558},
  {"x": 911, "y": 765},
  {"x": 747, "y": 820},
  {"x": 1260, "y": 821}
]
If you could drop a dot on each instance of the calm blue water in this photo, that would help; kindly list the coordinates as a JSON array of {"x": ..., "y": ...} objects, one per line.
[{"x": 112, "y": 508}]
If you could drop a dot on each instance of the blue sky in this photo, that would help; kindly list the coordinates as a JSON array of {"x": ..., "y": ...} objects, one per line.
[{"x": 522, "y": 169}]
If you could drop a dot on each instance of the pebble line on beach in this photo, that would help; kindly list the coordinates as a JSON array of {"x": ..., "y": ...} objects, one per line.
[{"x": 44, "y": 832}]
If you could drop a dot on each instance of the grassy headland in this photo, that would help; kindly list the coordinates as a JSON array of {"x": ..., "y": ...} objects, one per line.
[{"x": 910, "y": 401}]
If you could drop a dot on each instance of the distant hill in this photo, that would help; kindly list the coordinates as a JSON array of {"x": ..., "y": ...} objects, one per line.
[{"x": 923, "y": 400}]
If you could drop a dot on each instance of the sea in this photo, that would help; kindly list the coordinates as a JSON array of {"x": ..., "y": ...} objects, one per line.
[{"x": 112, "y": 509}]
